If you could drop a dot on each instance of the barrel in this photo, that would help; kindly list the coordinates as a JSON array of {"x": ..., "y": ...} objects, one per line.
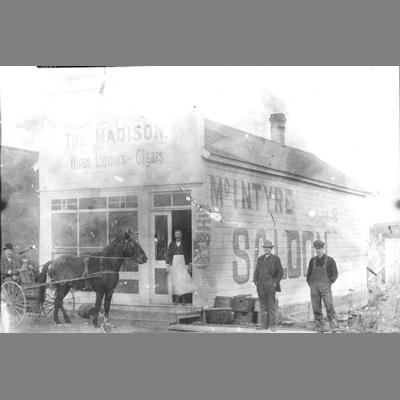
[{"x": 85, "y": 310}]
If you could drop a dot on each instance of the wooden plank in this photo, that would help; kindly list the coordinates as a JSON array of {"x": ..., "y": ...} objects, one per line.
[{"x": 229, "y": 329}]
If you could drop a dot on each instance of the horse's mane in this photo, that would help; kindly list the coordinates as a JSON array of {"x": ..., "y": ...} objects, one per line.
[{"x": 111, "y": 245}]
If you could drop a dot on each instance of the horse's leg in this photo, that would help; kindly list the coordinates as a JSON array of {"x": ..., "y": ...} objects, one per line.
[
  {"x": 99, "y": 300},
  {"x": 57, "y": 304},
  {"x": 63, "y": 292},
  {"x": 107, "y": 303}
]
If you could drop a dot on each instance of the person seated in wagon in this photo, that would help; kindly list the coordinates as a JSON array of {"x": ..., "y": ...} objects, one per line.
[
  {"x": 178, "y": 261},
  {"x": 27, "y": 272},
  {"x": 9, "y": 263}
]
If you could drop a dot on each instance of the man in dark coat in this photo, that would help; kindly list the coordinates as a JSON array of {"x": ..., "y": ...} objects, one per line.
[
  {"x": 321, "y": 273},
  {"x": 9, "y": 264},
  {"x": 267, "y": 277}
]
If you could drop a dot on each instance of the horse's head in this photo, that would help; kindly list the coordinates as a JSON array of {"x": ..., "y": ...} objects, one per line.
[{"x": 132, "y": 248}]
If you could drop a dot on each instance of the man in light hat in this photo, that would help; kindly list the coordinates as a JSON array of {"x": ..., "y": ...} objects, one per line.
[
  {"x": 321, "y": 273},
  {"x": 9, "y": 264},
  {"x": 267, "y": 277}
]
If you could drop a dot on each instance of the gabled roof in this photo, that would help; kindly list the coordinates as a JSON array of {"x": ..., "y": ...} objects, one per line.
[{"x": 227, "y": 144}]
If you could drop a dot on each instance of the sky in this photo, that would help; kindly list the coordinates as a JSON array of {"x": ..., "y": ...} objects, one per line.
[{"x": 347, "y": 116}]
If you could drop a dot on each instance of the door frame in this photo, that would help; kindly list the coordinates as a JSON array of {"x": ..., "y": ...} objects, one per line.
[{"x": 158, "y": 264}]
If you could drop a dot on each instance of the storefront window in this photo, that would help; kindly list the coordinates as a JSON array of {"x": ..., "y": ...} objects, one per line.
[
  {"x": 120, "y": 221},
  {"x": 64, "y": 230},
  {"x": 93, "y": 229},
  {"x": 96, "y": 228}
]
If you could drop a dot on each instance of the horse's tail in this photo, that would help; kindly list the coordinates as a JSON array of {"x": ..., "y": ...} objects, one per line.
[{"x": 42, "y": 279}]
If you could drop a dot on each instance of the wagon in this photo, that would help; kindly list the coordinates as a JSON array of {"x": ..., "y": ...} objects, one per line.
[{"x": 21, "y": 300}]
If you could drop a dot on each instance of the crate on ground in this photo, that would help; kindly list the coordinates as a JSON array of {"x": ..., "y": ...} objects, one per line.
[
  {"x": 245, "y": 318},
  {"x": 223, "y": 302},
  {"x": 243, "y": 303},
  {"x": 219, "y": 316}
]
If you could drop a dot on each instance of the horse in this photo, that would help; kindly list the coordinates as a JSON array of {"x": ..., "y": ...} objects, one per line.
[{"x": 100, "y": 271}]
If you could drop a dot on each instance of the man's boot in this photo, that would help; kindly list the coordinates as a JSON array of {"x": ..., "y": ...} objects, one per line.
[
  {"x": 272, "y": 323},
  {"x": 320, "y": 325},
  {"x": 333, "y": 325},
  {"x": 264, "y": 322}
]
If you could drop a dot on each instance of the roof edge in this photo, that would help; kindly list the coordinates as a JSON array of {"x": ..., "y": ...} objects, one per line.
[{"x": 258, "y": 168}]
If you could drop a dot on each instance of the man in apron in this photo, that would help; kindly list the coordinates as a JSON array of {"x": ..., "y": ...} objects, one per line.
[
  {"x": 178, "y": 260},
  {"x": 321, "y": 273}
]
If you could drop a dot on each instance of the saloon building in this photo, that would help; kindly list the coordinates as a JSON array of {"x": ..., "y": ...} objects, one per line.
[{"x": 227, "y": 190}]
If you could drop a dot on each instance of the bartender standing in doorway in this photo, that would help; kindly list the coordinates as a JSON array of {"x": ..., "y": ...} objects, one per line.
[{"x": 178, "y": 263}]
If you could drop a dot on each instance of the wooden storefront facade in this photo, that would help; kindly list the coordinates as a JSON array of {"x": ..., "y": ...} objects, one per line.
[{"x": 226, "y": 189}]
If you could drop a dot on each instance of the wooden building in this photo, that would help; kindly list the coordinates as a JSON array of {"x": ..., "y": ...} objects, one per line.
[
  {"x": 19, "y": 193},
  {"x": 226, "y": 189}
]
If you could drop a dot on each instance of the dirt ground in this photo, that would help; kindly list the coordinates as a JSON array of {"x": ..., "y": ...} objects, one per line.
[
  {"x": 80, "y": 325},
  {"x": 380, "y": 315},
  {"x": 386, "y": 300}
]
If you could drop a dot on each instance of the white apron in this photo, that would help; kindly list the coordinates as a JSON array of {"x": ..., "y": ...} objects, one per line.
[{"x": 181, "y": 281}]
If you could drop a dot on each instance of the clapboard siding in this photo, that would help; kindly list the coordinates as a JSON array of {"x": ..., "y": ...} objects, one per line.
[{"x": 339, "y": 218}]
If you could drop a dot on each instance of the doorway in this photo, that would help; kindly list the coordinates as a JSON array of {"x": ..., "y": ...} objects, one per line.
[{"x": 163, "y": 225}]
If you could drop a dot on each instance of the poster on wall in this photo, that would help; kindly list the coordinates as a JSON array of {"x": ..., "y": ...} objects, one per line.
[{"x": 202, "y": 237}]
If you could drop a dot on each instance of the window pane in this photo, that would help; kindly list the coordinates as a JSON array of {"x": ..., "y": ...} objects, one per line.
[
  {"x": 179, "y": 199},
  {"x": 130, "y": 286},
  {"x": 131, "y": 201},
  {"x": 162, "y": 200},
  {"x": 72, "y": 204},
  {"x": 114, "y": 202},
  {"x": 161, "y": 281},
  {"x": 120, "y": 221},
  {"x": 161, "y": 236},
  {"x": 92, "y": 203},
  {"x": 64, "y": 230},
  {"x": 92, "y": 229},
  {"x": 56, "y": 204}
]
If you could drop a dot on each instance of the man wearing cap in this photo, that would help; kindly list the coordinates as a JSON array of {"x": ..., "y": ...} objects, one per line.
[
  {"x": 267, "y": 277},
  {"x": 321, "y": 273},
  {"x": 9, "y": 264},
  {"x": 27, "y": 272}
]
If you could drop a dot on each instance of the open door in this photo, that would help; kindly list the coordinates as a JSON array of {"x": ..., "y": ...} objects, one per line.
[{"x": 163, "y": 226}]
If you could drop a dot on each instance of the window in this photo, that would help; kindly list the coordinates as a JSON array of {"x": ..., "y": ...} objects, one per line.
[
  {"x": 180, "y": 199},
  {"x": 171, "y": 199},
  {"x": 64, "y": 230},
  {"x": 91, "y": 203},
  {"x": 162, "y": 200},
  {"x": 64, "y": 204},
  {"x": 123, "y": 202},
  {"x": 161, "y": 236},
  {"x": 93, "y": 229},
  {"x": 119, "y": 221},
  {"x": 84, "y": 231}
]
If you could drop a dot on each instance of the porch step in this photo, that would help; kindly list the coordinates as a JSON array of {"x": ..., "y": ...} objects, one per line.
[{"x": 161, "y": 314}]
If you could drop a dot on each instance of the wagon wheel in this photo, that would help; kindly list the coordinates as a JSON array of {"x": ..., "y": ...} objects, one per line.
[
  {"x": 13, "y": 305},
  {"x": 48, "y": 304}
]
